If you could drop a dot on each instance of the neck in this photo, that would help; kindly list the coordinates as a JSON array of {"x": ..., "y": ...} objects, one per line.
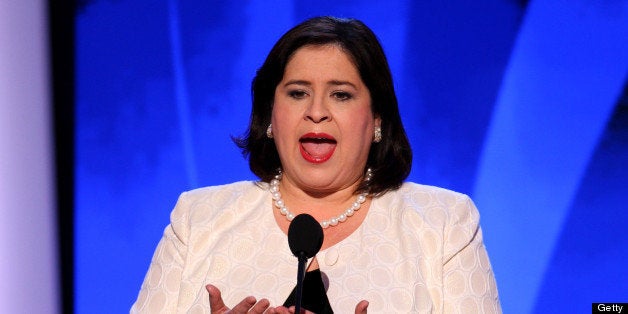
[{"x": 329, "y": 209}]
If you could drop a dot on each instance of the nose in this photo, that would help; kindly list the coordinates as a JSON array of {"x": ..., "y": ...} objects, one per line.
[{"x": 317, "y": 111}]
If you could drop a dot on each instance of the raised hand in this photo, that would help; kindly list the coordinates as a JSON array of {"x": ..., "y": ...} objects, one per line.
[
  {"x": 247, "y": 305},
  {"x": 251, "y": 305}
]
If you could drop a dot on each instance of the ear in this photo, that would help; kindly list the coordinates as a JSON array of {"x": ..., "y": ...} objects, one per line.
[
  {"x": 377, "y": 130},
  {"x": 378, "y": 121}
]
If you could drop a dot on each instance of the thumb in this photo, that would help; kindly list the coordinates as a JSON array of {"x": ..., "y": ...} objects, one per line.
[
  {"x": 361, "y": 307},
  {"x": 215, "y": 300}
]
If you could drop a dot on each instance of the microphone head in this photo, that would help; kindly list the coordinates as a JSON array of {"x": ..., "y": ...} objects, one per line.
[{"x": 305, "y": 235}]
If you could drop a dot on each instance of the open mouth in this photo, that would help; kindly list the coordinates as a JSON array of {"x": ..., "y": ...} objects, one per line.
[{"x": 317, "y": 147}]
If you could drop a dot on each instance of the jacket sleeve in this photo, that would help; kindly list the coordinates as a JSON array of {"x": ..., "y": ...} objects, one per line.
[
  {"x": 468, "y": 280},
  {"x": 162, "y": 284}
]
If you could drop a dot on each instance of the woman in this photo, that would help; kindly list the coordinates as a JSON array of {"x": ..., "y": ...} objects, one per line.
[{"x": 326, "y": 139}]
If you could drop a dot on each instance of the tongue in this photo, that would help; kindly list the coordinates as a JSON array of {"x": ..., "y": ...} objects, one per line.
[{"x": 318, "y": 150}]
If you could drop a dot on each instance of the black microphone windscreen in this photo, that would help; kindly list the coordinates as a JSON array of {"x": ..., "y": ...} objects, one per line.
[{"x": 305, "y": 235}]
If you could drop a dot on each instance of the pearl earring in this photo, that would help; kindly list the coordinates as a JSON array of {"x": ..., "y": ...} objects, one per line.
[
  {"x": 378, "y": 134},
  {"x": 269, "y": 131}
]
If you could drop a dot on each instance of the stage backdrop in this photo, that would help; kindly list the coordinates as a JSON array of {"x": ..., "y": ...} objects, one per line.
[
  {"x": 519, "y": 104},
  {"x": 28, "y": 234}
]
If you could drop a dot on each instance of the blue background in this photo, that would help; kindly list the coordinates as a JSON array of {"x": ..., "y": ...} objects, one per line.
[{"x": 520, "y": 104}]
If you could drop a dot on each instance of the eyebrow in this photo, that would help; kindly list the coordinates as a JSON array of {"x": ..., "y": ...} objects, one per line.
[{"x": 307, "y": 83}]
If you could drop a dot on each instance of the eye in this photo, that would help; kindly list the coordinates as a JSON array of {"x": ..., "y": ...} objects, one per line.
[
  {"x": 342, "y": 95},
  {"x": 297, "y": 94}
]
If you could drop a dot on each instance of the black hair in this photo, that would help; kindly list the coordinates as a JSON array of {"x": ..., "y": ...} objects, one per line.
[{"x": 391, "y": 159}]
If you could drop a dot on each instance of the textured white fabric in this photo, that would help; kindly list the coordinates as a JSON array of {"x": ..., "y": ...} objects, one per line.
[{"x": 419, "y": 250}]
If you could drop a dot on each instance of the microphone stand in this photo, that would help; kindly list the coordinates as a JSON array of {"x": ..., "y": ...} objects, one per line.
[
  {"x": 300, "y": 276},
  {"x": 305, "y": 237}
]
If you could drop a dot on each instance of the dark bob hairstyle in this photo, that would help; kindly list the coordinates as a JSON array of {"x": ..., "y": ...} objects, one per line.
[{"x": 390, "y": 159}]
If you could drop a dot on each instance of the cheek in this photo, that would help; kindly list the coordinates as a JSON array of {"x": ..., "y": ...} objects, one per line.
[
  {"x": 284, "y": 123},
  {"x": 360, "y": 132},
  {"x": 362, "y": 122},
  {"x": 281, "y": 118}
]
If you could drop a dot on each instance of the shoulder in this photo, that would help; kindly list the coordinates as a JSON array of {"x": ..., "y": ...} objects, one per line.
[
  {"x": 426, "y": 195},
  {"x": 207, "y": 202},
  {"x": 435, "y": 205},
  {"x": 224, "y": 192}
]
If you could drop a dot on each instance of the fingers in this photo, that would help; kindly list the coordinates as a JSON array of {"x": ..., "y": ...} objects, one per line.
[
  {"x": 244, "y": 305},
  {"x": 260, "y": 306},
  {"x": 361, "y": 307},
  {"x": 247, "y": 305},
  {"x": 293, "y": 309},
  {"x": 215, "y": 300},
  {"x": 280, "y": 310},
  {"x": 250, "y": 305}
]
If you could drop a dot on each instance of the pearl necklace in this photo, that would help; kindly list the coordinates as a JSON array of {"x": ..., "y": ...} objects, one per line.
[{"x": 279, "y": 203}]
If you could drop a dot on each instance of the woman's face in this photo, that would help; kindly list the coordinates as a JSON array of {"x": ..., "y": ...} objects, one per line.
[{"x": 322, "y": 120}]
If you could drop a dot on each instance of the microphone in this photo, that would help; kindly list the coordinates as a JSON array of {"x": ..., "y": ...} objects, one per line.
[{"x": 305, "y": 237}]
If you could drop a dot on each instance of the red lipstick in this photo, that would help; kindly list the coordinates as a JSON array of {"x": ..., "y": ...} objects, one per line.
[{"x": 317, "y": 147}]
